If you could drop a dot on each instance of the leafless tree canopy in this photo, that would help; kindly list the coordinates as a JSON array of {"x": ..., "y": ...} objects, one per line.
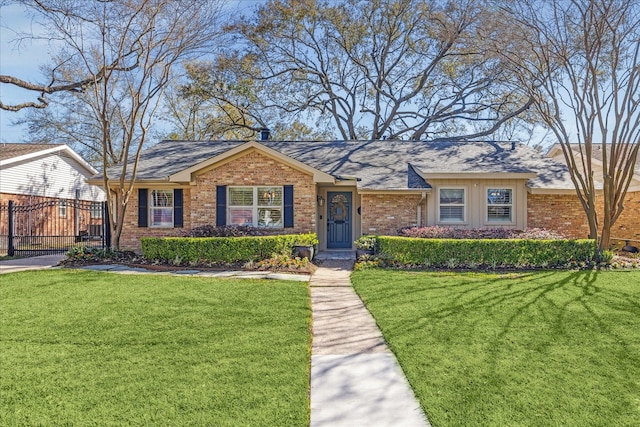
[
  {"x": 581, "y": 66},
  {"x": 115, "y": 60},
  {"x": 398, "y": 69}
]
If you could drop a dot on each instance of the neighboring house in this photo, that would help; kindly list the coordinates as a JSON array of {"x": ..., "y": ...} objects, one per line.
[
  {"x": 627, "y": 227},
  {"x": 343, "y": 189},
  {"x": 52, "y": 176}
]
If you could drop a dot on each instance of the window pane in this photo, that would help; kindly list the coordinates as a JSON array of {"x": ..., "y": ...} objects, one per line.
[
  {"x": 497, "y": 196},
  {"x": 240, "y": 216},
  {"x": 452, "y": 213},
  {"x": 241, "y": 196},
  {"x": 161, "y": 198},
  {"x": 270, "y": 196},
  {"x": 96, "y": 210},
  {"x": 269, "y": 217},
  {"x": 452, "y": 196},
  {"x": 161, "y": 217},
  {"x": 499, "y": 213}
]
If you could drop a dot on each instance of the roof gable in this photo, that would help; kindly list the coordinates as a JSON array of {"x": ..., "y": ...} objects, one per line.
[
  {"x": 200, "y": 167},
  {"x": 15, "y": 153}
]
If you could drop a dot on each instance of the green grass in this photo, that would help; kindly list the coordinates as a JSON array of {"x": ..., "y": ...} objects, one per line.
[
  {"x": 532, "y": 349},
  {"x": 85, "y": 348}
]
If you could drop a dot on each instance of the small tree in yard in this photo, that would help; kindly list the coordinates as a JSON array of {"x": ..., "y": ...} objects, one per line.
[
  {"x": 115, "y": 58},
  {"x": 580, "y": 63}
]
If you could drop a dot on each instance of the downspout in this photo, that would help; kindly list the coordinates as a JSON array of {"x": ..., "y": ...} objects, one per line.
[{"x": 424, "y": 197}]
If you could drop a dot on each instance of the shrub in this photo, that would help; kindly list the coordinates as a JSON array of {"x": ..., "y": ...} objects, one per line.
[
  {"x": 222, "y": 250},
  {"x": 225, "y": 231},
  {"x": 283, "y": 262},
  {"x": 86, "y": 253},
  {"x": 435, "y": 232},
  {"x": 491, "y": 253},
  {"x": 366, "y": 242}
]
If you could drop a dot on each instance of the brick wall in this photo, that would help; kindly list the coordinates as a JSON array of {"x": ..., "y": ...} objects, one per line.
[
  {"x": 386, "y": 213},
  {"x": 255, "y": 168},
  {"x": 560, "y": 212},
  {"x": 131, "y": 233},
  {"x": 628, "y": 224},
  {"x": 251, "y": 169},
  {"x": 565, "y": 214}
]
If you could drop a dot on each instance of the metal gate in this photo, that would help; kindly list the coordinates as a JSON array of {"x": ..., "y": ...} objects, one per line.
[{"x": 53, "y": 226}]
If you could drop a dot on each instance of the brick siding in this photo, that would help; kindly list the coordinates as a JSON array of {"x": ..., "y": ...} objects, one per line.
[
  {"x": 386, "y": 213},
  {"x": 565, "y": 214},
  {"x": 254, "y": 168},
  {"x": 131, "y": 233}
]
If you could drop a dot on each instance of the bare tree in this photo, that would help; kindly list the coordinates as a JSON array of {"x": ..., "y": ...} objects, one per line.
[
  {"x": 119, "y": 56},
  {"x": 211, "y": 104},
  {"x": 581, "y": 66},
  {"x": 377, "y": 68}
]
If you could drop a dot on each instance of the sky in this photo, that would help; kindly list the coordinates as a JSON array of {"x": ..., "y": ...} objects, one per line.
[
  {"x": 20, "y": 61},
  {"x": 24, "y": 60}
]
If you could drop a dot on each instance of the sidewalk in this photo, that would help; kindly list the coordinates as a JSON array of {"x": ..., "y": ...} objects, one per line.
[
  {"x": 30, "y": 263},
  {"x": 355, "y": 379}
]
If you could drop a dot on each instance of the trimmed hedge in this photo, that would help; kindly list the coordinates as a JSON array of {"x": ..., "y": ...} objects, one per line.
[
  {"x": 493, "y": 253},
  {"x": 222, "y": 250}
]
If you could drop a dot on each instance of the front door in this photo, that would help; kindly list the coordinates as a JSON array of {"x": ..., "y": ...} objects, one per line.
[{"x": 339, "y": 220}]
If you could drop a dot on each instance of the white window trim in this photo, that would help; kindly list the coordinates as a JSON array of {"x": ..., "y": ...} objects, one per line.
[
  {"x": 465, "y": 220},
  {"x": 486, "y": 205},
  {"x": 255, "y": 206},
  {"x": 62, "y": 209},
  {"x": 151, "y": 207}
]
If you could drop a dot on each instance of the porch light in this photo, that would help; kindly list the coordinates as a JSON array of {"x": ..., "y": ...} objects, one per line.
[{"x": 320, "y": 201}]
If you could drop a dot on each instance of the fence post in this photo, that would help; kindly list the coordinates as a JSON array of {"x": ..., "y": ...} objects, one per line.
[
  {"x": 76, "y": 215},
  {"x": 10, "y": 248},
  {"x": 106, "y": 224}
]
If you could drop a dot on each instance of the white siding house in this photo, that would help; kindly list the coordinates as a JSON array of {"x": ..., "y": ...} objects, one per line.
[{"x": 46, "y": 170}]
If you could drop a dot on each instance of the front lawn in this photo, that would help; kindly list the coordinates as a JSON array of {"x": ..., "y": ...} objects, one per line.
[
  {"x": 530, "y": 349},
  {"x": 87, "y": 348}
]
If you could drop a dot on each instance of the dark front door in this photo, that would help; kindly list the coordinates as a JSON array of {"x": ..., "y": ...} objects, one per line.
[{"x": 339, "y": 220}]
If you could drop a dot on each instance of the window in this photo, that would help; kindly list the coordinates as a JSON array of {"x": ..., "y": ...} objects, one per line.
[
  {"x": 62, "y": 209},
  {"x": 255, "y": 206},
  {"x": 96, "y": 209},
  {"x": 161, "y": 208},
  {"x": 451, "y": 201},
  {"x": 499, "y": 205}
]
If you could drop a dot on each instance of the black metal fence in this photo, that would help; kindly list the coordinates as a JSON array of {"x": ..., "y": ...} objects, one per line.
[{"x": 53, "y": 226}]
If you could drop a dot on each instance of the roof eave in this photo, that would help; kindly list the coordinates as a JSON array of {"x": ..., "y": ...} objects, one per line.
[
  {"x": 53, "y": 149},
  {"x": 478, "y": 175},
  {"x": 394, "y": 190}
]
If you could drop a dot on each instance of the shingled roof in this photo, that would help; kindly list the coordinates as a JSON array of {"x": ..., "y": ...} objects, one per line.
[
  {"x": 375, "y": 165},
  {"x": 9, "y": 151}
]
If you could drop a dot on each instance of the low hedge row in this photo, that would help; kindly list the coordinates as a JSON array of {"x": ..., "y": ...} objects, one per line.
[
  {"x": 492, "y": 253},
  {"x": 220, "y": 250}
]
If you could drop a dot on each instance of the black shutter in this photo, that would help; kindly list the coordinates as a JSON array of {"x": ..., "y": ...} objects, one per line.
[
  {"x": 142, "y": 207},
  {"x": 177, "y": 208},
  {"x": 221, "y": 205},
  {"x": 288, "y": 206}
]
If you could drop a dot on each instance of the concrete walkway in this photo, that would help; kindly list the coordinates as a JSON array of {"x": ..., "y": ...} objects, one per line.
[
  {"x": 355, "y": 379},
  {"x": 31, "y": 263}
]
